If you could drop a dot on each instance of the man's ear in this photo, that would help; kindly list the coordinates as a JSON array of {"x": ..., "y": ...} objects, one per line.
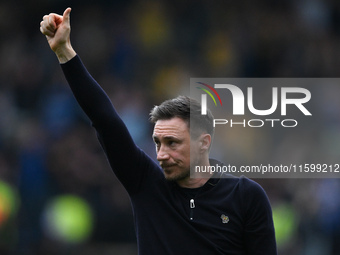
[{"x": 204, "y": 143}]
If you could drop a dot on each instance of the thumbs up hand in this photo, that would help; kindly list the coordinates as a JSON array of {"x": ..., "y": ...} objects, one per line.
[{"x": 57, "y": 30}]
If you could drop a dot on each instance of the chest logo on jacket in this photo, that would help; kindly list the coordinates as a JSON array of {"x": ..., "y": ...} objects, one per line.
[{"x": 225, "y": 219}]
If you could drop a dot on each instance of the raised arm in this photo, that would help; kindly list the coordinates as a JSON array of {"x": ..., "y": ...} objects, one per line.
[
  {"x": 90, "y": 96},
  {"x": 124, "y": 156}
]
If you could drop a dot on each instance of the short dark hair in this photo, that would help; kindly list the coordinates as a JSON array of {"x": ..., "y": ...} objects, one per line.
[{"x": 189, "y": 110}]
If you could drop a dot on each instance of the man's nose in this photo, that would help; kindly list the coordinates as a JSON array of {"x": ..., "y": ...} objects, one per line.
[{"x": 162, "y": 154}]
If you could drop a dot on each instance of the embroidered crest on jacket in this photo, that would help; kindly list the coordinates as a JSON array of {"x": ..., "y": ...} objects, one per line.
[{"x": 225, "y": 219}]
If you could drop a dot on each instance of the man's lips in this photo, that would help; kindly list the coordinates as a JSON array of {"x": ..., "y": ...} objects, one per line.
[{"x": 164, "y": 166}]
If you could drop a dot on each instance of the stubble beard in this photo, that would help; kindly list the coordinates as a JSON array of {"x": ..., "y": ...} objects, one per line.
[
  {"x": 181, "y": 175},
  {"x": 178, "y": 176}
]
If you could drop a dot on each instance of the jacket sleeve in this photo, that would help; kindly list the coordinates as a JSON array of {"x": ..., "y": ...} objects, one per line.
[
  {"x": 128, "y": 162},
  {"x": 259, "y": 228}
]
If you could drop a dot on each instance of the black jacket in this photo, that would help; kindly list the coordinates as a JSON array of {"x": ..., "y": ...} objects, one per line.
[{"x": 226, "y": 216}]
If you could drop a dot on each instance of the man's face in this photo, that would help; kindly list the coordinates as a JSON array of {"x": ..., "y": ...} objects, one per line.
[{"x": 172, "y": 139}]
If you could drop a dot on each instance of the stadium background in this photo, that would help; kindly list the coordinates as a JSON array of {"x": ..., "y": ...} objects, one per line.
[{"x": 143, "y": 52}]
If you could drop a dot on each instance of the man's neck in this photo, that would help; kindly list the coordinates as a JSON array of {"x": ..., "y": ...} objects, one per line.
[
  {"x": 196, "y": 180},
  {"x": 192, "y": 183}
]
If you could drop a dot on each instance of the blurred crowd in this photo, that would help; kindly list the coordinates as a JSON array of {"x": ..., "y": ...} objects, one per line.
[{"x": 143, "y": 52}]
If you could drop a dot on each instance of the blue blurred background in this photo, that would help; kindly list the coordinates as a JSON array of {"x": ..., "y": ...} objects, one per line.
[{"x": 57, "y": 192}]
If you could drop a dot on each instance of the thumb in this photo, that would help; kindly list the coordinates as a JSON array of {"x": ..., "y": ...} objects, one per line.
[{"x": 66, "y": 16}]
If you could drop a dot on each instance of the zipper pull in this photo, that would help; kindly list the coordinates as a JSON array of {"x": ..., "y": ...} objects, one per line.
[
  {"x": 192, "y": 206},
  {"x": 192, "y": 203}
]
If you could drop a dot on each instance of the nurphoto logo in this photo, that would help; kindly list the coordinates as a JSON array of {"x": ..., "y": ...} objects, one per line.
[
  {"x": 294, "y": 96},
  {"x": 270, "y": 127}
]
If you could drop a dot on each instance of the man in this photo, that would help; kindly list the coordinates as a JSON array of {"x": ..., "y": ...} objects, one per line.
[{"x": 174, "y": 213}]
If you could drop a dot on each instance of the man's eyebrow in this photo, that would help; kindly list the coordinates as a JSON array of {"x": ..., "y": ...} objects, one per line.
[{"x": 168, "y": 137}]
